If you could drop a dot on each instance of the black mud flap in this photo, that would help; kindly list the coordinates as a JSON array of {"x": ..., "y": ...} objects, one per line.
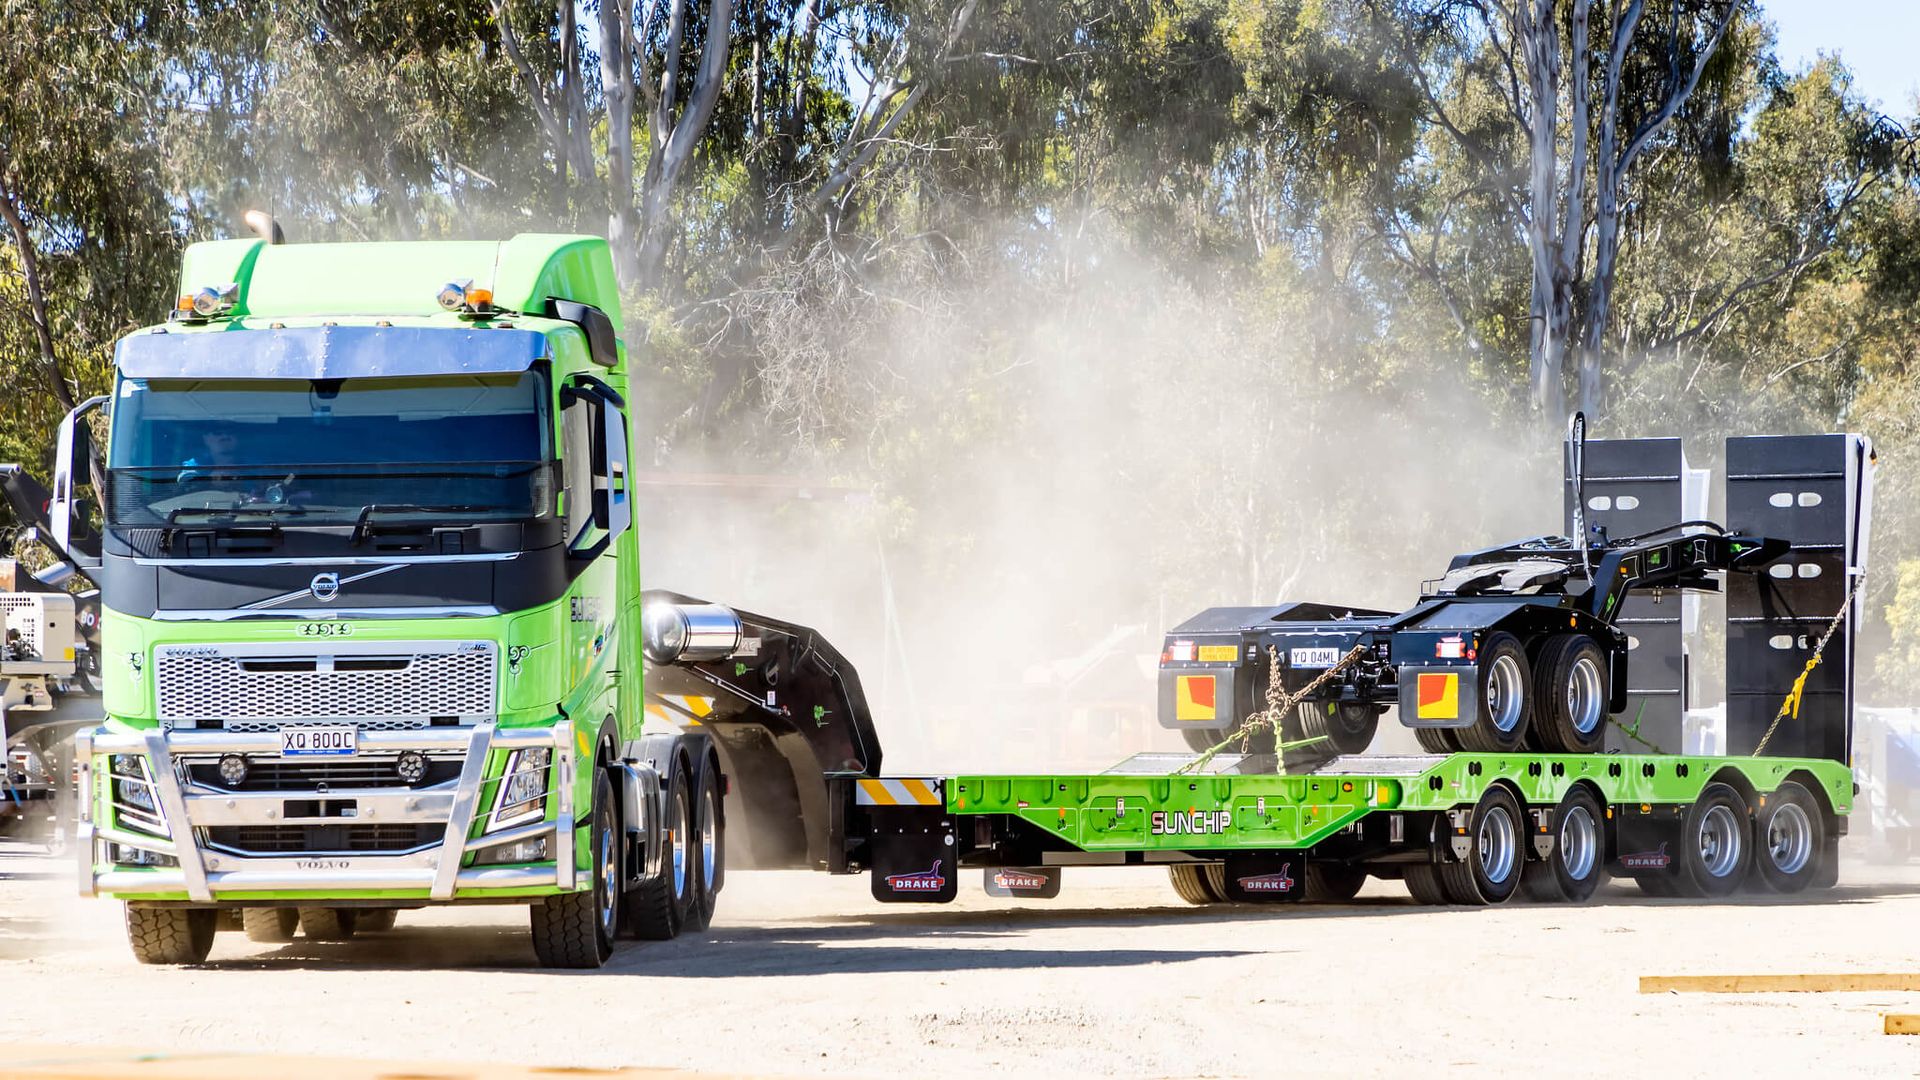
[
  {"x": 1023, "y": 882},
  {"x": 1265, "y": 877},
  {"x": 1647, "y": 844},
  {"x": 915, "y": 855}
]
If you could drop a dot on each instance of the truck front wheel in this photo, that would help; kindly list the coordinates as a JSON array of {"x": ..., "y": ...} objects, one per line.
[
  {"x": 167, "y": 935},
  {"x": 576, "y": 929}
]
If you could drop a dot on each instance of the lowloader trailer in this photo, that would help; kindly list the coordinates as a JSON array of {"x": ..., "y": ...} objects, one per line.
[{"x": 373, "y": 638}]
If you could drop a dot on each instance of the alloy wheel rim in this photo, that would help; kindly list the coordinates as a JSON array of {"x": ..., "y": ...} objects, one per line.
[
  {"x": 1503, "y": 693},
  {"x": 1495, "y": 841},
  {"x": 1583, "y": 696},
  {"x": 1789, "y": 838},
  {"x": 1718, "y": 841},
  {"x": 680, "y": 853},
  {"x": 708, "y": 839},
  {"x": 609, "y": 881},
  {"x": 1579, "y": 849}
]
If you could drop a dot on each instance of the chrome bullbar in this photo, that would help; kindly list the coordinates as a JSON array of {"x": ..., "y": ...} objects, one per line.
[{"x": 205, "y": 874}]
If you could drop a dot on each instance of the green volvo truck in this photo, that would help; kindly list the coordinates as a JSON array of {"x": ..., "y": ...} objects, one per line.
[{"x": 373, "y": 637}]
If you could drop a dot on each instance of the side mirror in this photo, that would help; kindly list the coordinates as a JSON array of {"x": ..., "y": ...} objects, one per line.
[
  {"x": 73, "y": 456},
  {"x": 613, "y": 505}
]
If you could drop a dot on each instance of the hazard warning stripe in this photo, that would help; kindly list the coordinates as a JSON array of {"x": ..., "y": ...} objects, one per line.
[
  {"x": 692, "y": 706},
  {"x": 898, "y": 793}
]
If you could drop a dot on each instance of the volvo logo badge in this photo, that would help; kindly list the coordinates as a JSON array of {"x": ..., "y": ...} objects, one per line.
[{"x": 324, "y": 587}]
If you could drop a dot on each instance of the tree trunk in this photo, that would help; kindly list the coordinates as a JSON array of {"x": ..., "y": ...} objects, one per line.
[
  {"x": 675, "y": 139},
  {"x": 49, "y": 365},
  {"x": 617, "y": 89}
]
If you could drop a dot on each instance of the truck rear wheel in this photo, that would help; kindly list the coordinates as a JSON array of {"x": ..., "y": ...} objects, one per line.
[
  {"x": 269, "y": 925},
  {"x": 168, "y": 935},
  {"x": 657, "y": 908},
  {"x": 1573, "y": 869},
  {"x": 1506, "y": 702},
  {"x": 1715, "y": 843},
  {"x": 576, "y": 929},
  {"x": 1791, "y": 839},
  {"x": 709, "y": 847},
  {"x": 1332, "y": 882},
  {"x": 375, "y": 920},
  {"x": 329, "y": 923},
  {"x": 1570, "y": 695},
  {"x": 1495, "y": 856}
]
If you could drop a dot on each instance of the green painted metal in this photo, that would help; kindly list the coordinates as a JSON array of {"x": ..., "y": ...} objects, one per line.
[
  {"x": 1120, "y": 812},
  {"x": 570, "y": 669}
]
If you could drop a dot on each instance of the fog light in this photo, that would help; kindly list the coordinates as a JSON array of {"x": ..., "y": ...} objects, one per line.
[
  {"x": 233, "y": 770},
  {"x": 524, "y": 851},
  {"x": 412, "y": 767}
]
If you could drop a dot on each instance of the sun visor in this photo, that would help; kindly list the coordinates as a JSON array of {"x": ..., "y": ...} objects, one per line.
[{"x": 329, "y": 352}]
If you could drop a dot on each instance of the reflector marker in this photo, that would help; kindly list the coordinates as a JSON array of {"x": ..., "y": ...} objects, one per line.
[{"x": 902, "y": 792}]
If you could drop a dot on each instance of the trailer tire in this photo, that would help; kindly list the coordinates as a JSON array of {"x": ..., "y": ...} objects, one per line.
[
  {"x": 657, "y": 908},
  {"x": 269, "y": 925},
  {"x": 1716, "y": 843},
  {"x": 1332, "y": 882},
  {"x": 1577, "y": 863},
  {"x": 329, "y": 923},
  {"x": 1347, "y": 726},
  {"x": 1423, "y": 884},
  {"x": 168, "y": 935},
  {"x": 375, "y": 920},
  {"x": 1436, "y": 740},
  {"x": 577, "y": 929},
  {"x": 1506, "y": 698},
  {"x": 1789, "y": 839},
  {"x": 709, "y": 849},
  {"x": 1658, "y": 886},
  {"x": 1190, "y": 882},
  {"x": 1496, "y": 855},
  {"x": 1570, "y": 695}
]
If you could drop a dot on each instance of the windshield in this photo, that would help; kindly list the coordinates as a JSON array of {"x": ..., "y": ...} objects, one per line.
[{"x": 330, "y": 451}]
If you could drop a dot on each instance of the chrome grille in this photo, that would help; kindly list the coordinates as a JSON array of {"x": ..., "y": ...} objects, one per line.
[{"x": 381, "y": 685}]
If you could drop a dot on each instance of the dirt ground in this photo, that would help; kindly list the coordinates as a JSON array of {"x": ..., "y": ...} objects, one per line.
[{"x": 804, "y": 974}]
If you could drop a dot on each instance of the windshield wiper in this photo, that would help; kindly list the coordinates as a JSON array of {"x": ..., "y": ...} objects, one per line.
[
  {"x": 270, "y": 511},
  {"x": 362, "y": 524}
]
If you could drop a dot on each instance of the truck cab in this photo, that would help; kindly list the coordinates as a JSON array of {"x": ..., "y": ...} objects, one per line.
[{"x": 365, "y": 551}]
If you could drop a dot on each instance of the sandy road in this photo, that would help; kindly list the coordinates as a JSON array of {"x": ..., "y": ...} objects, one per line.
[{"x": 804, "y": 974}]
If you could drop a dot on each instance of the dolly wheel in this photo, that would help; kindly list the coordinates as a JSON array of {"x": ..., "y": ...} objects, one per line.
[
  {"x": 1347, "y": 726},
  {"x": 1436, "y": 740},
  {"x": 1570, "y": 695},
  {"x": 1506, "y": 701},
  {"x": 1333, "y": 883}
]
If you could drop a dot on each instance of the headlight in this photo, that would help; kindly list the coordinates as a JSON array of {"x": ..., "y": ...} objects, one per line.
[
  {"x": 130, "y": 784},
  {"x": 523, "y": 787}
]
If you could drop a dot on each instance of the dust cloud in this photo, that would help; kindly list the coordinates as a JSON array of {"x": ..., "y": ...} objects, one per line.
[{"x": 1010, "y": 489}]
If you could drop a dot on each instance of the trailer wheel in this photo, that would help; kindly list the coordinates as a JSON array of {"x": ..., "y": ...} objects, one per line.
[
  {"x": 1215, "y": 875},
  {"x": 1790, "y": 838},
  {"x": 329, "y": 923},
  {"x": 1435, "y": 740},
  {"x": 375, "y": 920},
  {"x": 1423, "y": 884},
  {"x": 1505, "y": 698},
  {"x": 1332, "y": 882},
  {"x": 709, "y": 847},
  {"x": 166, "y": 935},
  {"x": 1716, "y": 847},
  {"x": 1347, "y": 726},
  {"x": 1570, "y": 694},
  {"x": 1496, "y": 854},
  {"x": 1575, "y": 866},
  {"x": 1659, "y": 886},
  {"x": 1189, "y": 881},
  {"x": 657, "y": 907},
  {"x": 576, "y": 929},
  {"x": 269, "y": 925}
]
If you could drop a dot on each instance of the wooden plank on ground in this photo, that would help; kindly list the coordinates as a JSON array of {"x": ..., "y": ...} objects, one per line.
[
  {"x": 1903, "y": 1023},
  {"x": 1777, "y": 984},
  {"x": 40, "y": 1062}
]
